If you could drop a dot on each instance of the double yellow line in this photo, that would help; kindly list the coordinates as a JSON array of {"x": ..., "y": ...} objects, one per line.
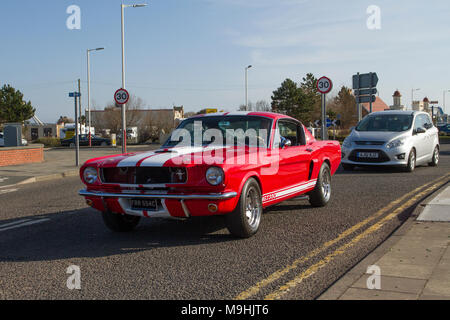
[{"x": 406, "y": 201}]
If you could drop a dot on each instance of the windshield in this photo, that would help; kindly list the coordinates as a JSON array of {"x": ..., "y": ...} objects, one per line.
[
  {"x": 222, "y": 131},
  {"x": 386, "y": 123}
]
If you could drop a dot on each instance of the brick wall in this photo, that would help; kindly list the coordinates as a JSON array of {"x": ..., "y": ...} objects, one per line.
[{"x": 21, "y": 155}]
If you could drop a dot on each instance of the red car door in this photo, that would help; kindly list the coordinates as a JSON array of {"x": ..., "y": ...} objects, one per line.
[{"x": 294, "y": 162}]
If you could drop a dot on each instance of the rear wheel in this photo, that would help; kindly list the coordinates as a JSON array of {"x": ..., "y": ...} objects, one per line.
[
  {"x": 435, "y": 160},
  {"x": 244, "y": 221},
  {"x": 411, "y": 161},
  {"x": 321, "y": 194},
  {"x": 120, "y": 222}
]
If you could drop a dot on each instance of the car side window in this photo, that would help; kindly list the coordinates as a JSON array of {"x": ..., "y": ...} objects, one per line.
[
  {"x": 291, "y": 131},
  {"x": 428, "y": 123},
  {"x": 419, "y": 123}
]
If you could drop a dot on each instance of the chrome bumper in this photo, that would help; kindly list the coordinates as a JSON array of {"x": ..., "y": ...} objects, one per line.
[{"x": 212, "y": 196}]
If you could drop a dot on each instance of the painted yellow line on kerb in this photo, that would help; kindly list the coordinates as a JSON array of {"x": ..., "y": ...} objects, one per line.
[
  {"x": 313, "y": 269},
  {"x": 280, "y": 273}
]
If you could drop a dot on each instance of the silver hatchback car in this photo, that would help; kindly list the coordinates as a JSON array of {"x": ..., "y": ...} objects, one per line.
[{"x": 392, "y": 138}]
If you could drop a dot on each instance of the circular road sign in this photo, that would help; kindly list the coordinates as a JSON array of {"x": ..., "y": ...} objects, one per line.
[
  {"x": 121, "y": 96},
  {"x": 324, "y": 85}
]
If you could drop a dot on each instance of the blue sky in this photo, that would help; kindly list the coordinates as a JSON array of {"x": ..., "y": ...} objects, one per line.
[{"x": 193, "y": 52}]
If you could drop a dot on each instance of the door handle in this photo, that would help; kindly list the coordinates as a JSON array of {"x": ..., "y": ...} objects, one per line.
[{"x": 309, "y": 150}]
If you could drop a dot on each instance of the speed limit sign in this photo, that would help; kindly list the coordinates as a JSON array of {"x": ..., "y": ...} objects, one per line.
[
  {"x": 324, "y": 85},
  {"x": 121, "y": 96}
]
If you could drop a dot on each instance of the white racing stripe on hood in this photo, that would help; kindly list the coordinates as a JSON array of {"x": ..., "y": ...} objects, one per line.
[
  {"x": 160, "y": 159},
  {"x": 133, "y": 160}
]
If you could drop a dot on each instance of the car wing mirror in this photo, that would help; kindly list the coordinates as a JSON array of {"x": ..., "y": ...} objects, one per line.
[
  {"x": 286, "y": 143},
  {"x": 420, "y": 130}
]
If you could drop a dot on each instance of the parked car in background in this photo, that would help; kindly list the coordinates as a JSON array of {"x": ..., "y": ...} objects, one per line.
[
  {"x": 444, "y": 129},
  {"x": 229, "y": 164},
  {"x": 2, "y": 141},
  {"x": 392, "y": 138},
  {"x": 84, "y": 141}
]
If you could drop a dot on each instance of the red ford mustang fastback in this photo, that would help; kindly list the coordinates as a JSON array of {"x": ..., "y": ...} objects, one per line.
[{"x": 231, "y": 164}]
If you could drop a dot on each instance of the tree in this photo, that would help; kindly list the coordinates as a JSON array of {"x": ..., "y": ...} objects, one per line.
[
  {"x": 12, "y": 106},
  {"x": 311, "y": 100},
  {"x": 345, "y": 105},
  {"x": 286, "y": 98},
  {"x": 65, "y": 119}
]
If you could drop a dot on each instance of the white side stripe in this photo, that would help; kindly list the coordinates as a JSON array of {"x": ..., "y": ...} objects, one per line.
[{"x": 289, "y": 191}]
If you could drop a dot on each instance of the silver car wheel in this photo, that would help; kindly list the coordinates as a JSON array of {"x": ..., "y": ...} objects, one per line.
[
  {"x": 326, "y": 185},
  {"x": 252, "y": 208}
]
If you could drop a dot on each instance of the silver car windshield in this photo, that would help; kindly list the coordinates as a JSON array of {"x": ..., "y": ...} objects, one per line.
[{"x": 386, "y": 123}]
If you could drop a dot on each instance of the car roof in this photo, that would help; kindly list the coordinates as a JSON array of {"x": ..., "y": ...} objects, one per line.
[
  {"x": 405, "y": 112},
  {"x": 271, "y": 115}
]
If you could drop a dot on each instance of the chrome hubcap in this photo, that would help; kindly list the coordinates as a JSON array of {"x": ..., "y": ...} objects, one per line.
[
  {"x": 413, "y": 160},
  {"x": 326, "y": 185},
  {"x": 436, "y": 155},
  {"x": 252, "y": 208}
]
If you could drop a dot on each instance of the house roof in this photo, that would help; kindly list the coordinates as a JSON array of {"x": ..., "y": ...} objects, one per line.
[{"x": 378, "y": 105}]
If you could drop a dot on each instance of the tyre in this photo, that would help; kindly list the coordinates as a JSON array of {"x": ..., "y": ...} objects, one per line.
[
  {"x": 321, "y": 194},
  {"x": 119, "y": 222},
  {"x": 348, "y": 167},
  {"x": 244, "y": 221},
  {"x": 435, "y": 160},
  {"x": 411, "y": 161}
]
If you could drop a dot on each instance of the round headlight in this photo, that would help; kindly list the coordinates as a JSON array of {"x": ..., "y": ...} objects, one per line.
[
  {"x": 90, "y": 175},
  {"x": 215, "y": 176}
]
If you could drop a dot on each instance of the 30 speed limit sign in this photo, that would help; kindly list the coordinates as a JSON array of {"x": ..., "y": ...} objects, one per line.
[
  {"x": 121, "y": 96},
  {"x": 324, "y": 85}
]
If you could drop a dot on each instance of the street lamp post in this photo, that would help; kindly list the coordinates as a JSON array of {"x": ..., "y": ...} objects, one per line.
[
  {"x": 445, "y": 91},
  {"x": 89, "y": 89},
  {"x": 124, "y": 106},
  {"x": 246, "y": 87},
  {"x": 412, "y": 96}
]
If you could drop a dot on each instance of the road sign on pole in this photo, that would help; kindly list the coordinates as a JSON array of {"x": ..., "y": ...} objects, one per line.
[
  {"x": 76, "y": 96},
  {"x": 364, "y": 86},
  {"x": 121, "y": 96},
  {"x": 324, "y": 86}
]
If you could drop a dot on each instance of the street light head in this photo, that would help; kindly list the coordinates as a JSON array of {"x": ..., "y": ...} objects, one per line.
[
  {"x": 139, "y": 5},
  {"x": 98, "y": 49},
  {"x": 249, "y": 66}
]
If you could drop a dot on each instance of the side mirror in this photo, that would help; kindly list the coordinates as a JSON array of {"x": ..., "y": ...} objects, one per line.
[
  {"x": 419, "y": 130},
  {"x": 286, "y": 143}
]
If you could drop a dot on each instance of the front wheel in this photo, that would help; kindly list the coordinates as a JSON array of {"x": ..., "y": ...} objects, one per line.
[
  {"x": 411, "y": 161},
  {"x": 435, "y": 160},
  {"x": 321, "y": 194},
  {"x": 120, "y": 222},
  {"x": 244, "y": 221}
]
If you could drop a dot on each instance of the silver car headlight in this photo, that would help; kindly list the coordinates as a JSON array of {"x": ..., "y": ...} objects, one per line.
[
  {"x": 347, "y": 143},
  {"x": 396, "y": 143},
  {"x": 215, "y": 176},
  {"x": 90, "y": 175}
]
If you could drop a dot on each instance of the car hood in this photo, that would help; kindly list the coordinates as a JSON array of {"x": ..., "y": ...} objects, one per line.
[
  {"x": 180, "y": 156},
  {"x": 376, "y": 136}
]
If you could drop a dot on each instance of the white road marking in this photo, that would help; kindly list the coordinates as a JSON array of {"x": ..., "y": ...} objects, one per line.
[
  {"x": 12, "y": 223},
  {"x": 7, "y": 191},
  {"x": 24, "y": 224}
]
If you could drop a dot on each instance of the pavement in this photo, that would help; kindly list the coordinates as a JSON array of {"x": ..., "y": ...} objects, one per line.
[
  {"x": 58, "y": 163},
  {"x": 412, "y": 264}
]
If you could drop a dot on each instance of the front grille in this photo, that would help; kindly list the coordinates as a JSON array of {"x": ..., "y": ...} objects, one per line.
[
  {"x": 144, "y": 175},
  {"x": 382, "y": 157},
  {"x": 370, "y": 143}
]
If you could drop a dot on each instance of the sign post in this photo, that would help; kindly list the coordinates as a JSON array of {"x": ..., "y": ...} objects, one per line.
[
  {"x": 76, "y": 95},
  {"x": 121, "y": 97},
  {"x": 364, "y": 86},
  {"x": 324, "y": 86}
]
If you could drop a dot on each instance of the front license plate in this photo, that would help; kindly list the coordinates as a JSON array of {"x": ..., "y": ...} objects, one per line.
[
  {"x": 372, "y": 155},
  {"x": 147, "y": 204}
]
